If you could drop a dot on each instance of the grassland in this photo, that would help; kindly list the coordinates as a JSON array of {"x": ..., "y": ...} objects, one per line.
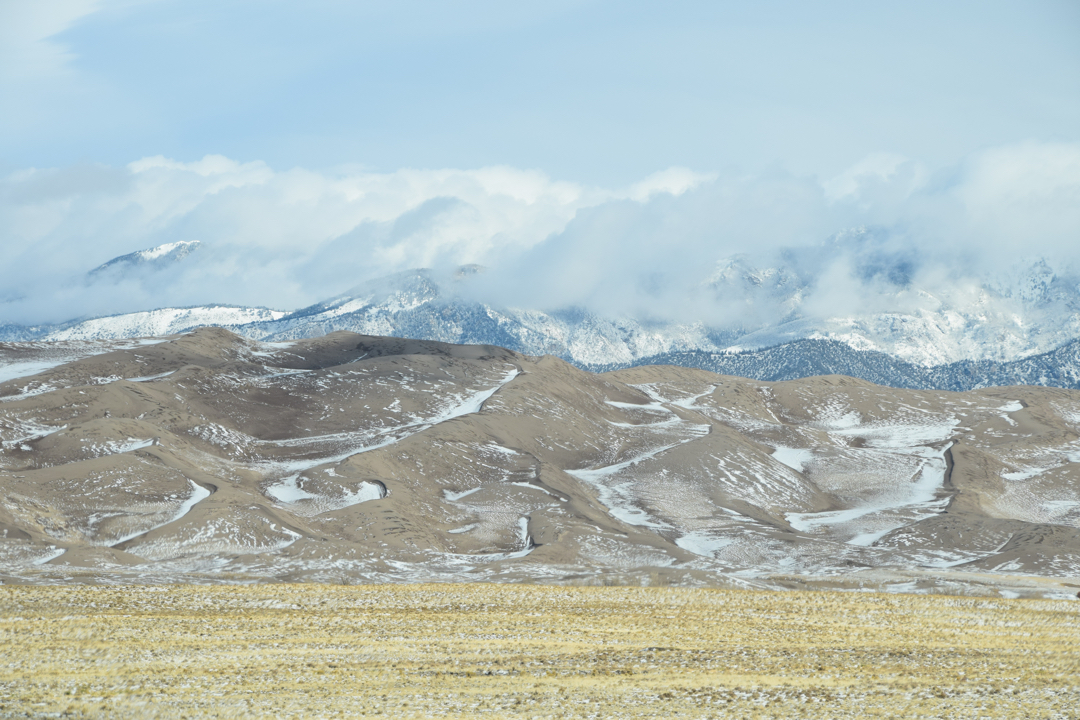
[{"x": 459, "y": 651}]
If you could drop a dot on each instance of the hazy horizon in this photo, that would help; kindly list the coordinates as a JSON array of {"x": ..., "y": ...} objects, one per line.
[{"x": 592, "y": 154}]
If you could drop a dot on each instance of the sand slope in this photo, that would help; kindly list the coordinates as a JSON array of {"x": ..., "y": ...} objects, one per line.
[{"x": 347, "y": 458}]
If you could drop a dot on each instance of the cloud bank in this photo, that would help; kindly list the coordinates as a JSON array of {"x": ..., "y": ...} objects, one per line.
[{"x": 678, "y": 245}]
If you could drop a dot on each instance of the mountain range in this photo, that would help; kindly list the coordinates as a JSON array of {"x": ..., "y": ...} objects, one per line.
[{"x": 976, "y": 339}]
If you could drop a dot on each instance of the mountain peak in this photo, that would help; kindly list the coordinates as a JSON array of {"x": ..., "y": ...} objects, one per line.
[{"x": 153, "y": 258}]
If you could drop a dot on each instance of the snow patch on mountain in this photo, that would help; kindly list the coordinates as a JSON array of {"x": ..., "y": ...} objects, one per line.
[
  {"x": 1034, "y": 311},
  {"x": 152, "y": 258},
  {"x": 166, "y": 321}
]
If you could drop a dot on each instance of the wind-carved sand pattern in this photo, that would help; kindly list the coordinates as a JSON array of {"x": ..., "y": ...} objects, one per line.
[
  {"x": 343, "y": 445},
  {"x": 198, "y": 494},
  {"x": 208, "y": 458},
  {"x": 615, "y": 482},
  {"x": 895, "y": 480}
]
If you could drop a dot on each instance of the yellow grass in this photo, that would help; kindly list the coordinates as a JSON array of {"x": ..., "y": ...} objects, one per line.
[{"x": 507, "y": 651}]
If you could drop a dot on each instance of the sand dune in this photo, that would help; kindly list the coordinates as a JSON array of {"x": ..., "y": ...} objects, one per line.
[{"x": 208, "y": 457}]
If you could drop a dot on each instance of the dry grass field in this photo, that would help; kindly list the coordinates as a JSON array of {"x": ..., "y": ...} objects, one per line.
[{"x": 457, "y": 651}]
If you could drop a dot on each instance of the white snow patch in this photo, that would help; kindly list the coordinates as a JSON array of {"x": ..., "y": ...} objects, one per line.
[
  {"x": 270, "y": 349},
  {"x": 795, "y": 458},
  {"x": 1021, "y": 474},
  {"x": 1010, "y": 407},
  {"x": 501, "y": 449},
  {"x": 690, "y": 403},
  {"x": 907, "y": 503},
  {"x": 527, "y": 545},
  {"x": 132, "y": 444},
  {"x": 907, "y": 587},
  {"x": 618, "y": 498},
  {"x": 198, "y": 494},
  {"x": 30, "y": 430},
  {"x": 539, "y": 489},
  {"x": 166, "y": 321},
  {"x": 703, "y": 544},
  {"x": 1060, "y": 507},
  {"x": 902, "y": 436},
  {"x": 366, "y": 491},
  {"x": 649, "y": 407},
  {"x": 475, "y": 403},
  {"x": 40, "y": 389},
  {"x": 12, "y": 371},
  {"x": 163, "y": 250},
  {"x": 349, "y": 444},
  {"x": 836, "y": 422},
  {"x": 62, "y": 354},
  {"x": 455, "y": 496},
  {"x": 289, "y": 491},
  {"x": 151, "y": 378},
  {"x": 52, "y": 554}
]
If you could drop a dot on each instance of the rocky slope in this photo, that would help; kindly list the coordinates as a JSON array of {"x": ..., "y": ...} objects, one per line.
[{"x": 213, "y": 457}]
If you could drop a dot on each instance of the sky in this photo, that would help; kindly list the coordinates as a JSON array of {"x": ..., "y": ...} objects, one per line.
[{"x": 605, "y": 154}]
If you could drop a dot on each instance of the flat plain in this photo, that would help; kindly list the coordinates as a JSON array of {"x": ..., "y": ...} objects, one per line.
[{"x": 456, "y": 651}]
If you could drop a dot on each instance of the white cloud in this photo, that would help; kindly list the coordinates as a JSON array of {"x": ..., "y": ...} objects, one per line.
[
  {"x": 876, "y": 168},
  {"x": 289, "y": 238},
  {"x": 280, "y": 238},
  {"x": 1024, "y": 197},
  {"x": 673, "y": 181},
  {"x": 28, "y": 49}
]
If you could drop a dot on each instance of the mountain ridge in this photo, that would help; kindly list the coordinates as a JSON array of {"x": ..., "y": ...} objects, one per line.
[
  {"x": 155, "y": 258},
  {"x": 1059, "y": 367},
  {"x": 417, "y": 304}
]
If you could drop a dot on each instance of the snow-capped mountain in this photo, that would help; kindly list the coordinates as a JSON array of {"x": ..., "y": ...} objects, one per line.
[
  {"x": 956, "y": 339},
  {"x": 409, "y": 304},
  {"x": 414, "y": 304},
  {"x": 166, "y": 321},
  {"x": 154, "y": 258},
  {"x": 1031, "y": 310},
  {"x": 151, "y": 323}
]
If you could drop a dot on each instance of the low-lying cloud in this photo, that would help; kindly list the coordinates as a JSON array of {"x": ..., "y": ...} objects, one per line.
[{"x": 678, "y": 245}]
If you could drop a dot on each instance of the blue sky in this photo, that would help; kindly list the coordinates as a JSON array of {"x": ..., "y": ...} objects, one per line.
[
  {"x": 309, "y": 146},
  {"x": 599, "y": 92}
]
